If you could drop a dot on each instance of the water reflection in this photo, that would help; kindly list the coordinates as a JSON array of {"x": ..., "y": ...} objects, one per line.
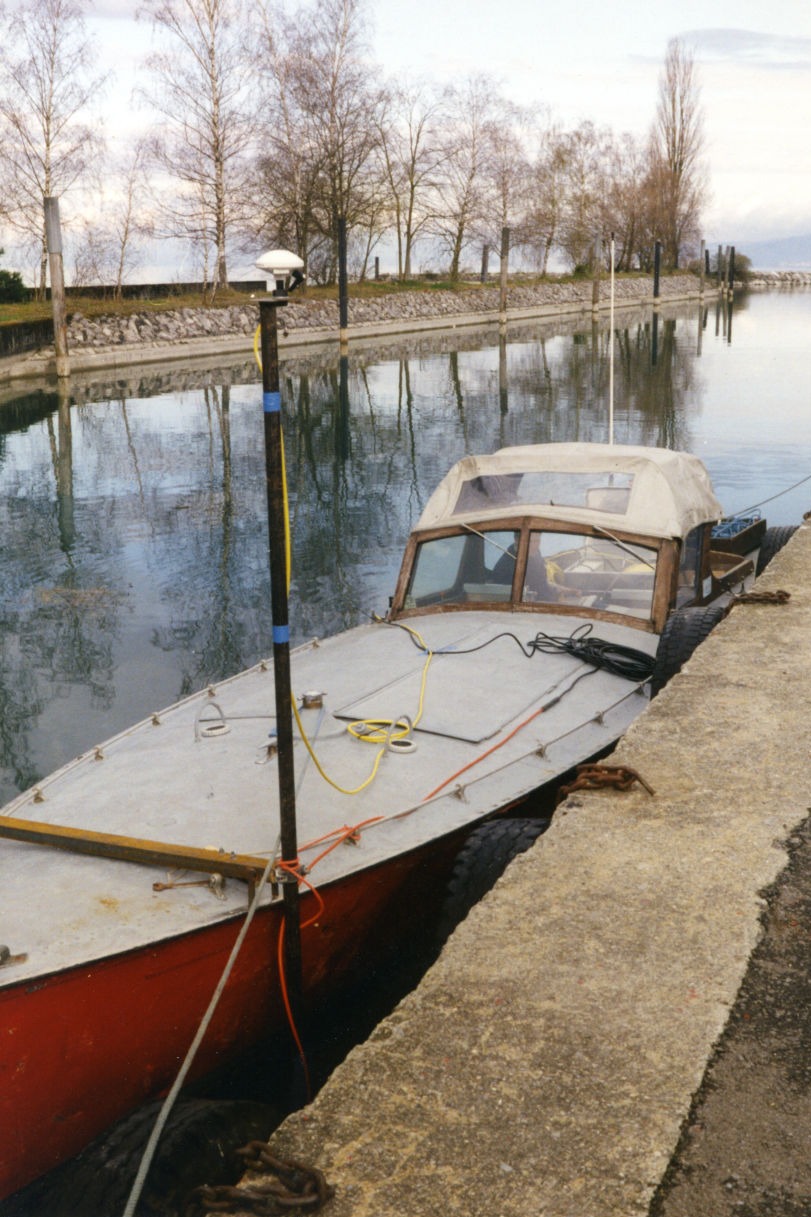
[{"x": 133, "y": 511}]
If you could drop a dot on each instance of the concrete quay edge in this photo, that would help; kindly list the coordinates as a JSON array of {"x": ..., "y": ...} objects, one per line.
[
  {"x": 83, "y": 360},
  {"x": 547, "y": 1061}
]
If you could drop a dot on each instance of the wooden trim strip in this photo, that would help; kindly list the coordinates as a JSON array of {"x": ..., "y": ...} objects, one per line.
[{"x": 132, "y": 849}]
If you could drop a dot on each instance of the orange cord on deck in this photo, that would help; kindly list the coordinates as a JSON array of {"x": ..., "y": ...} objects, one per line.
[
  {"x": 483, "y": 755},
  {"x": 340, "y": 834}
]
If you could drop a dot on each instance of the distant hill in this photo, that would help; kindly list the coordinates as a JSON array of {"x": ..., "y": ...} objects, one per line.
[{"x": 788, "y": 253}]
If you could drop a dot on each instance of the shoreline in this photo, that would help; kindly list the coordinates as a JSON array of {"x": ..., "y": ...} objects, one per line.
[{"x": 110, "y": 343}]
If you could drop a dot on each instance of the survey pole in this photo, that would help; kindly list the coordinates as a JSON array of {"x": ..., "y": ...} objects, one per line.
[{"x": 277, "y": 552}]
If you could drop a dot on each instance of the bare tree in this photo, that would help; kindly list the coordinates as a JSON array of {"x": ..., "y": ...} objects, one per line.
[
  {"x": 410, "y": 158},
  {"x": 507, "y": 172},
  {"x": 678, "y": 175},
  {"x": 322, "y": 130},
  {"x": 584, "y": 151},
  {"x": 46, "y": 90},
  {"x": 288, "y": 199},
  {"x": 130, "y": 221},
  {"x": 200, "y": 86},
  {"x": 464, "y": 143},
  {"x": 625, "y": 206},
  {"x": 542, "y": 217},
  {"x": 105, "y": 245}
]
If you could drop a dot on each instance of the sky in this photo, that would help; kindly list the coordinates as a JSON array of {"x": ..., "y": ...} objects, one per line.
[
  {"x": 601, "y": 60},
  {"x": 598, "y": 60}
]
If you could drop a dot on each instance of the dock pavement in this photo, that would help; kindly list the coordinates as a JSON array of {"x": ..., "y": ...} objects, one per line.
[{"x": 580, "y": 1047}]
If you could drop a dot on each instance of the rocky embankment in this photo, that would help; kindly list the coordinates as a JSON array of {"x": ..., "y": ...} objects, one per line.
[
  {"x": 183, "y": 325},
  {"x": 779, "y": 278}
]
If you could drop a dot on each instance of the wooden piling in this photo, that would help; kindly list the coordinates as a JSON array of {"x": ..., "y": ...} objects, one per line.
[
  {"x": 53, "y": 237},
  {"x": 502, "y": 295},
  {"x": 343, "y": 290}
]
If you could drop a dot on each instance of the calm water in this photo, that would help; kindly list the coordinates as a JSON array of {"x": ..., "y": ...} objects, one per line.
[{"x": 133, "y": 517}]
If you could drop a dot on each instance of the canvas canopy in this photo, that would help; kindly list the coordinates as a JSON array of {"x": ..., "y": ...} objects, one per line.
[{"x": 652, "y": 491}]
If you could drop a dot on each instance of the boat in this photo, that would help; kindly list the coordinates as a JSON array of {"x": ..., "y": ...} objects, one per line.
[{"x": 545, "y": 593}]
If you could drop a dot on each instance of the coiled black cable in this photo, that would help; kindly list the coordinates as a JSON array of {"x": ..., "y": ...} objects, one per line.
[
  {"x": 622, "y": 661},
  {"x": 625, "y": 662}
]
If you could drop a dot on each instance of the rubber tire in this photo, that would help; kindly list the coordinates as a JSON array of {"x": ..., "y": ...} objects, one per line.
[
  {"x": 684, "y": 631},
  {"x": 773, "y": 541},
  {"x": 482, "y": 860},
  {"x": 197, "y": 1146}
]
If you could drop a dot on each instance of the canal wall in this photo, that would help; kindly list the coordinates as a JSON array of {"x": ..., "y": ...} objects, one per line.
[
  {"x": 548, "y": 1061},
  {"x": 181, "y": 334}
]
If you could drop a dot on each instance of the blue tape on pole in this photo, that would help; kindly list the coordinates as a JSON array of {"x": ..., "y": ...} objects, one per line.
[
  {"x": 281, "y": 634},
  {"x": 272, "y": 402}
]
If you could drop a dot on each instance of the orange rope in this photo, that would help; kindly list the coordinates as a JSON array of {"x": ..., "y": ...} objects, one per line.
[
  {"x": 291, "y": 1022},
  {"x": 294, "y": 868},
  {"x": 341, "y": 834},
  {"x": 484, "y": 755},
  {"x": 553, "y": 701}
]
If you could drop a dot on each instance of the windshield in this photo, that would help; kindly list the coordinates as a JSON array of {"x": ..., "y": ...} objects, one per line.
[
  {"x": 561, "y": 568},
  {"x": 464, "y": 568},
  {"x": 594, "y": 572}
]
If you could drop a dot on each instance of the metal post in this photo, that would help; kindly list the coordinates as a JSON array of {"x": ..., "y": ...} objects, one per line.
[
  {"x": 53, "y": 237},
  {"x": 611, "y": 345},
  {"x": 343, "y": 292},
  {"x": 277, "y": 547},
  {"x": 702, "y": 254},
  {"x": 731, "y": 272},
  {"x": 485, "y": 261},
  {"x": 502, "y": 291},
  {"x": 657, "y": 263}
]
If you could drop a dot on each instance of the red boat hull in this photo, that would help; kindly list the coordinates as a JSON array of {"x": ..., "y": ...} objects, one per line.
[{"x": 83, "y": 1047}]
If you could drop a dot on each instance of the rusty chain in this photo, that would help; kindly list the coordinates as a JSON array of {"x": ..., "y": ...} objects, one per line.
[
  {"x": 291, "y": 1186},
  {"x": 778, "y": 597},
  {"x": 595, "y": 777}
]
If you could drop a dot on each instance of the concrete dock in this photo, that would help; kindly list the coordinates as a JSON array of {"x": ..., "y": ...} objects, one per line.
[{"x": 548, "y": 1061}]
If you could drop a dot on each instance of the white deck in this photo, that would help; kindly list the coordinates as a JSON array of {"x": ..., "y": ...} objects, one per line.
[{"x": 160, "y": 783}]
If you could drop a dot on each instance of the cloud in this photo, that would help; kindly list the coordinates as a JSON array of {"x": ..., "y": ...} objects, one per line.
[{"x": 749, "y": 48}]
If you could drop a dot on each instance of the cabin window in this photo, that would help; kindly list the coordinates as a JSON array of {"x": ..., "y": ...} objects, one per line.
[
  {"x": 690, "y": 567},
  {"x": 466, "y": 568},
  {"x": 590, "y": 572}
]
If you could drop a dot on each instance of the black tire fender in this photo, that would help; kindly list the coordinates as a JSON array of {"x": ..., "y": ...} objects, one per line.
[
  {"x": 773, "y": 541},
  {"x": 483, "y": 858},
  {"x": 684, "y": 631}
]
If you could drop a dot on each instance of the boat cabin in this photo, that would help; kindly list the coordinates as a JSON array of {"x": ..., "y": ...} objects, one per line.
[{"x": 594, "y": 530}]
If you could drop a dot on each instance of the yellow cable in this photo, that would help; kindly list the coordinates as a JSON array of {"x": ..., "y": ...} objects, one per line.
[
  {"x": 316, "y": 762},
  {"x": 373, "y": 730}
]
